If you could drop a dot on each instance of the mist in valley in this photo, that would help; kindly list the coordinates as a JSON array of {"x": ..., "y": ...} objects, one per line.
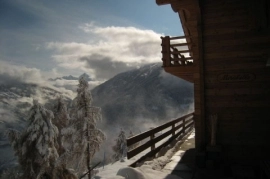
[{"x": 134, "y": 101}]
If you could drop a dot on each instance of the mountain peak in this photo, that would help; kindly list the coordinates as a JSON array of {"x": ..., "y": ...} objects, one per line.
[
  {"x": 70, "y": 77},
  {"x": 86, "y": 77},
  {"x": 144, "y": 93}
]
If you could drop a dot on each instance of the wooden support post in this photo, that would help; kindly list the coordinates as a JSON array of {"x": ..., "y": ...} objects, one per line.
[
  {"x": 152, "y": 138},
  {"x": 184, "y": 125},
  {"x": 166, "y": 51},
  {"x": 173, "y": 128}
]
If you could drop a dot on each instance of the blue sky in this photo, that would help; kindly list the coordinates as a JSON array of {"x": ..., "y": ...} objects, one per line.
[{"x": 94, "y": 36}]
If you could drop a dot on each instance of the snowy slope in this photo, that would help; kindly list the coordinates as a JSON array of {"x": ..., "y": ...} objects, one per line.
[
  {"x": 144, "y": 93},
  {"x": 148, "y": 170},
  {"x": 15, "y": 101},
  {"x": 135, "y": 100},
  {"x": 139, "y": 99}
]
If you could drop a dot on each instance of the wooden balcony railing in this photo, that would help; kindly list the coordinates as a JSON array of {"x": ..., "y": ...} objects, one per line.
[
  {"x": 184, "y": 124},
  {"x": 173, "y": 50}
]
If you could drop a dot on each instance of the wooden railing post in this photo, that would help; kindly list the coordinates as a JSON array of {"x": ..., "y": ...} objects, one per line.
[
  {"x": 173, "y": 128},
  {"x": 152, "y": 137},
  {"x": 166, "y": 51},
  {"x": 184, "y": 125}
]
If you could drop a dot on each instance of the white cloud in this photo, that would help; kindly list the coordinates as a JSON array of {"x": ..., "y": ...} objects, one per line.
[
  {"x": 128, "y": 47},
  {"x": 15, "y": 75},
  {"x": 72, "y": 84},
  {"x": 19, "y": 73}
]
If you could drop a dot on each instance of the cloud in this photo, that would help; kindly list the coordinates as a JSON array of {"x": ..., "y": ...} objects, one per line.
[
  {"x": 7, "y": 115},
  {"x": 104, "y": 67},
  {"x": 14, "y": 74},
  {"x": 121, "y": 48},
  {"x": 73, "y": 84}
]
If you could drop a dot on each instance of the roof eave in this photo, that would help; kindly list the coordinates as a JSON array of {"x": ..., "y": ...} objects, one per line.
[{"x": 162, "y": 2}]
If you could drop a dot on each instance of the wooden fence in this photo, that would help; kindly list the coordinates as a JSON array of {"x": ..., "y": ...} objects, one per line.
[
  {"x": 184, "y": 124},
  {"x": 172, "y": 52}
]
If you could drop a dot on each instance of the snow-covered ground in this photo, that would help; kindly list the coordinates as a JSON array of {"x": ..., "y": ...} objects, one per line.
[{"x": 149, "y": 170}]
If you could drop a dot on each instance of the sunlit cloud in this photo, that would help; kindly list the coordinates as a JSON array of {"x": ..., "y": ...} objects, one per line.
[
  {"x": 19, "y": 73},
  {"x": 112, "y": 50},
  {"x": 14, "y": 75}
]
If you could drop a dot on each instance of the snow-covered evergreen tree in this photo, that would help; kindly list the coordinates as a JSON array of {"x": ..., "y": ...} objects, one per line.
[
  {"x": 86, "y": 137},
  {"x": 120, "y": 147},
  {"x": 11, "y": 173},
  {"x": 36, "y": 146},
  {"x": 61, "y": 121}
]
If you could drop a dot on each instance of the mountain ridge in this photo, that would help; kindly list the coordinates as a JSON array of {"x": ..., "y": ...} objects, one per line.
[
  {"x": 136, "y": 99},
  {"x": 71, "y": 77},
  {"x": 149, "y": 89}
]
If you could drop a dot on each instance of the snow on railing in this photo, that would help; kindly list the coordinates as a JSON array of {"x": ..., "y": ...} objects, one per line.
[
  {"x": 175, "y": 51},
  {"x": 179, "y": 128}
]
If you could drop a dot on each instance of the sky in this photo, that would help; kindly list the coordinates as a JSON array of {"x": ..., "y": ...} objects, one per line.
[{"x": 41, "y": 39}]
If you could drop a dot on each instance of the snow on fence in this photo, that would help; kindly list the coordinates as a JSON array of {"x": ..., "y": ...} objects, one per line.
[{"x": 179, "y": 128}]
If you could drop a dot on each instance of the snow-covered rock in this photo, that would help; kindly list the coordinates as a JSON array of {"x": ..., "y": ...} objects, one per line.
[{"x": 131, "y": 173}]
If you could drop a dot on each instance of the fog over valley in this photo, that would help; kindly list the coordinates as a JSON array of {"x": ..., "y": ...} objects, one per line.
[
  {"x": 135, "y": 101},
  {"x": 77, "y": 78}
]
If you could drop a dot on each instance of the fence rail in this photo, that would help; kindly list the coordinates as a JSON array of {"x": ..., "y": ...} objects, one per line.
[
  {"x": 172, "y": 51},
  {"x": 184, "y": 123}
]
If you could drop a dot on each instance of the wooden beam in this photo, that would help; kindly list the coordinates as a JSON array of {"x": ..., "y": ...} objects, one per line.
[
  {"x": 238, "y": 48},
  {"x": 139, "y": 137},
  {"x": 179, "y": 37},
  {"x": 251, "y": 36},
  {"x": 162, "y": 2},
  {"x": 153, "y": 139},
  {"x": 181, "y": 51},
  {"x": 179, "y": 59},
  {"x": 235, "y": 54},
  {"x": 199, "y": 81},
  {"x": 182, "y": 69},
  {"x": 180, "y": 44},
  {"x": 226, "y": 8},
  {"x": 152, "y": 153},
  {"x": 189, "y": 5}
]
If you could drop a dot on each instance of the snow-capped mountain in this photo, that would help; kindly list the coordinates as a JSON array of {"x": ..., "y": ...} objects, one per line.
[
  {"x": 147, "y": 93},
  {"x": 86, "y": 77},
  {"x": 54, "y": 79},
  {"x": 70, "y": 77},
  {"x": 141, "y": 97}
]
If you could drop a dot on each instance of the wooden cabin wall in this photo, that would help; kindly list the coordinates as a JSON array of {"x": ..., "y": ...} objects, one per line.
[{"x": 236, "y": 45}]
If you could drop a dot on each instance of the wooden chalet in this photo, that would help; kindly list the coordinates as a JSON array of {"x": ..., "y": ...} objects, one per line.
[{"x": 225, "y": 52}]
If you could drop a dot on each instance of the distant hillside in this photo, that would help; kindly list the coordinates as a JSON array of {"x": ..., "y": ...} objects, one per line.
[
  {"x": 136, "y": 100},
  {"x": 70, "y": 77},
  {"x": 147, "y": 93}
]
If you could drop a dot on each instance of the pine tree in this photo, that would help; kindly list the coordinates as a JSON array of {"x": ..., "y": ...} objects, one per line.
[
  {"x": 11, "y": 173},
  {"x": 120, "y": 147},
  {"x": 36, "y": 146},
  {"x": 61, "y": 121},
  {"x": 86, "y": 137}
]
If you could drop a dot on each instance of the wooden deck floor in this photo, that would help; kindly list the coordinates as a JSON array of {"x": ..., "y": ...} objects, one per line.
[{"x": 182, "y": 164}]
